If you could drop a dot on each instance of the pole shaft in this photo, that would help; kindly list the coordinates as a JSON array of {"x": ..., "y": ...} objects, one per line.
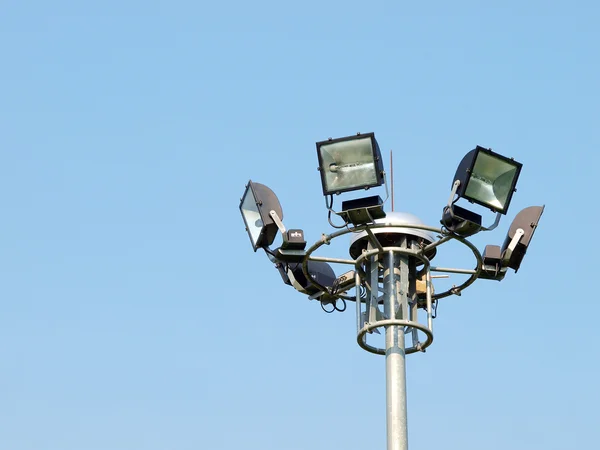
[{"x": 396, "y": 286}]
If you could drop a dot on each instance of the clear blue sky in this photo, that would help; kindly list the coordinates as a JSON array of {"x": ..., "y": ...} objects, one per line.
[{"x": 134, "y": 314}]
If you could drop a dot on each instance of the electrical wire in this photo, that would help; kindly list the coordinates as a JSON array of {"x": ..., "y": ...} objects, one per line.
[
  {"x": 340, "y": 309},
  {"x": 269, "y": 252},
  {"x": 334, "y": 306},
  {"x": 334, "y": 225},
  {"x": 329, "y": 206},
  {"x": 327, "y": 311}
]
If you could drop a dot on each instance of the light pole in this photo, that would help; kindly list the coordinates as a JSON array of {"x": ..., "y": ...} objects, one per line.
[
  {"x": 396, "y": 287},
  {"x": 390, "y": 276}
]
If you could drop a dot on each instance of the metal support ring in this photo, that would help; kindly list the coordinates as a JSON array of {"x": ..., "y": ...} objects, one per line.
[{"x": 382, "y": 323}]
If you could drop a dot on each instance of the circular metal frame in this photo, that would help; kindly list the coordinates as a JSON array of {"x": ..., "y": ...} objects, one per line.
[{"x": 446, "y": 237}]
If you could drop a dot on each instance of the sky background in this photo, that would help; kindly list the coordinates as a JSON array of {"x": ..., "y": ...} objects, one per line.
[{"x": 134, "y": 313}]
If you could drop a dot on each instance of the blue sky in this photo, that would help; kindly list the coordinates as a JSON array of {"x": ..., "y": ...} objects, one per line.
[{"x": 134, "y": 314}]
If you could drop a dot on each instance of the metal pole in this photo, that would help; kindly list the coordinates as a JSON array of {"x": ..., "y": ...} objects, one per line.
[{"x": 395, "y": 281}]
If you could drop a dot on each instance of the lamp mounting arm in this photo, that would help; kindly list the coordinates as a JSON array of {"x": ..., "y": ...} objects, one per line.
[
  {"x": 494, "y": 225},
  {"x": 511, "y": 247},
  {"x": 387, "y": 192},
  {"x": 277, "y": 221},
  {"x": 453, "y": 193}
]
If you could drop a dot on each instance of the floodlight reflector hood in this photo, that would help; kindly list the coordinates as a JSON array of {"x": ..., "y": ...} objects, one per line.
[
  {"x": 256, "y": 204},
  {"x": 350, "y": 163},
  {"x": 487, "y": 178},
  {"x": 319, "y": 271},
  {"x": 527, "y": 220}
]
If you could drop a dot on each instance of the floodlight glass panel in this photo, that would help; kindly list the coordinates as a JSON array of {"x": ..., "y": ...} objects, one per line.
[
  {"x": 252, "y": 216},
  {"x": 349, "y": 165},
  {"x": 256, "y": 205},
  {"x": 492, "y": 181}
]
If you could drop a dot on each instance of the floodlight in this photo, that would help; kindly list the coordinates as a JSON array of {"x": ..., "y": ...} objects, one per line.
[
  {"x": 487, "y": 178},
  {"x": 350, "y": 163},
  {"x": 519, "y": 236},
  {"x": 319, "y": 271},
  {"x": 256, "y": 206},
  {"x": 362, "y": 210}
]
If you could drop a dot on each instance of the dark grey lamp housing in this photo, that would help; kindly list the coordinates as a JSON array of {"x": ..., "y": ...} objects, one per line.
[
  {"x": 256, "y": 205},
  {"x": 527, "y": 220},
  {"x": 321, "y": 272},
  {"x": 350, "y": 163},
  {"x": 496, "y": 259},
  {"x": 487, "y": 178}
]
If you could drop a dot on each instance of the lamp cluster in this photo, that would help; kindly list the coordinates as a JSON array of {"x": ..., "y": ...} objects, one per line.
[
  {"x": 354, "y": 163},
  {"x": 489, "y": 179}
]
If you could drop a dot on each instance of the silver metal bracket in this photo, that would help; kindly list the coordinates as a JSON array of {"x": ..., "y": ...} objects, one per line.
[
  {"x": 511, "y": 247},
  {"x": 278, "y": 222},
  {"x": 494, "y": 225},
  {"x": 453, "y": 193}
]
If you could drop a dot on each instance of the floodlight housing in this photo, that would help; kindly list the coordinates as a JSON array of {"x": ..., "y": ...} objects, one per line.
[
  {"x": 319, "y": 271},
  {"x": 255, "y": 206},
  {"x": 526, "y": 220},
  {"x": 350, "y": 163},
  {"x": 487, "y": 178}
]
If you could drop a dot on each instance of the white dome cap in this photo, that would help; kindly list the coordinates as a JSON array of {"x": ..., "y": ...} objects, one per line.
[{"x": 399, "y": 225}]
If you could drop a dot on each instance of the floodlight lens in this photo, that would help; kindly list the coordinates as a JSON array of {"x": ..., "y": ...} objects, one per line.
[
  {"x": 492, "y": 181},
  {"x": 350, "y": 163},
  {"x": 256, "y": 206},
  {"x": 252, "y": 216}
]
